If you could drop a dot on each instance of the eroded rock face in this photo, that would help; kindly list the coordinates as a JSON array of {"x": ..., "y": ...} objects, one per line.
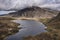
[{"x": 34, "y": 12}]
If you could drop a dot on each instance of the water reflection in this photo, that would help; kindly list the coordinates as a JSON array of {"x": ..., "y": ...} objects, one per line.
[{"x": 29, "y": 27}]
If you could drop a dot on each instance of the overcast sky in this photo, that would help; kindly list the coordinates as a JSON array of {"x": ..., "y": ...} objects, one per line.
[{"x": 19, "y": 4}]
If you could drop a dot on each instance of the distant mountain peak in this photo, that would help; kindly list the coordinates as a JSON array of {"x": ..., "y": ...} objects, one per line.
[{"x": 34, "y": 12}]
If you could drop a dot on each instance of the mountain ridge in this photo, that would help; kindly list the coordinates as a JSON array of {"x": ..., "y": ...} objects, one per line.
[{"x": 33, "y": 12}]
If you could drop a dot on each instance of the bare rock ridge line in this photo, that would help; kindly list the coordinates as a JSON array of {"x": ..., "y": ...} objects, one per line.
[{"x": 34, "y": 12}]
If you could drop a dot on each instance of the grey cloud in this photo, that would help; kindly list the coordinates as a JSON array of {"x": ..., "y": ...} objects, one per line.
[{"x": 20, "y": 4}]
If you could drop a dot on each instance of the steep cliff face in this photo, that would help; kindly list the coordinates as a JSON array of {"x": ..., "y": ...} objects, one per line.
[{"x": 33, "y": 12}]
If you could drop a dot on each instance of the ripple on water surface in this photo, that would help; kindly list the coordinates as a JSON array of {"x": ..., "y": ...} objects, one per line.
[{"x": 29, "y": 27}]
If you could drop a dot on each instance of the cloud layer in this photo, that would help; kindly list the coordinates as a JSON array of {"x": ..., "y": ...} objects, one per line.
[{"x": 20, "y": 4}]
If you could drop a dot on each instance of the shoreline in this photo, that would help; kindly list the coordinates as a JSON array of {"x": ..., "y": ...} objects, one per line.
[{"x": 7, "y": 27}]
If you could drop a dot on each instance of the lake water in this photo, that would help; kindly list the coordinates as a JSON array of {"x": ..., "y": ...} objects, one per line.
[
  {"x": 5, "y": 12},
  {"x": 28, "y": 28}
]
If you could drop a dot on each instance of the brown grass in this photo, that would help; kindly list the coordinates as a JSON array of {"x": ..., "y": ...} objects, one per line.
[
  {"x": 53, "y": 28},
  {"x": 7, "y": 27}
]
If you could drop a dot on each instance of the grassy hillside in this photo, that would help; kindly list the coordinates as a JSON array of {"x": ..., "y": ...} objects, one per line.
[
  {"x": 53, "y": 28},
  {"x": 49, "y": 18},
  {"x": 7, "y": 27}
]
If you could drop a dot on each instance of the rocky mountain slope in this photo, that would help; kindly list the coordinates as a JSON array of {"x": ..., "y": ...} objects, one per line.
[
  {"x": 55, "y": 22},
  {"x": 57, "y": 18},
  {"x": 34, "y": 12}
]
